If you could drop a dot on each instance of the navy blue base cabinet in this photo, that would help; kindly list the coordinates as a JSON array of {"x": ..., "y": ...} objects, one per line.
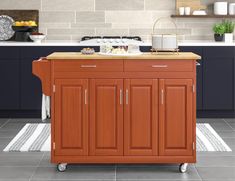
[
  {"x": 20, "y": 93},
  {"x": 215, "y": 81}
]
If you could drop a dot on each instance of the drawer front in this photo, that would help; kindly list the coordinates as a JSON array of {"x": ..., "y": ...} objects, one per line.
[
  {"x": 9, "y": 53},
  {"x": 88, "y": 66},
  {"x": 219, "y": 52},
  {"x": 158, "y": 65}
]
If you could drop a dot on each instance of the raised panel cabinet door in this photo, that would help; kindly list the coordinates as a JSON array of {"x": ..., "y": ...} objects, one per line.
[
  {"x": 71, "y": 115},
  {"x": 176, "y": 122},
  {"x": 106, "y": 117},
  {"x": 141, "y": 117}
]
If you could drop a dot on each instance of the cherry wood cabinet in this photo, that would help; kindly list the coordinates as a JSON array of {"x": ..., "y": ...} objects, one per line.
[
  {"x": 176, "y": 117},
  {"x": 141, "y": 117},
  {"x": 106, "y": 117},
  {"x": 122, "y": 114},
  {"x": 71, "y": 114}
]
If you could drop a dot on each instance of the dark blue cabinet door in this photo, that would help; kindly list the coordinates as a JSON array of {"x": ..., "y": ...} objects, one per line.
[
  {"x": 199, "y": 51},
  {"x": 218, "y": 85},
  {"x": 10, "y": 83},
  {"x": 31, "y": 91}
]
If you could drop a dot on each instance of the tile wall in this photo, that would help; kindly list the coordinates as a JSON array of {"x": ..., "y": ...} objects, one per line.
[{"x": 72, "y": 19}]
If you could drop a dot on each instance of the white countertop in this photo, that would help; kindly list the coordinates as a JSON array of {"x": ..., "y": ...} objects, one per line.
[{"x": 69, "y": 43}]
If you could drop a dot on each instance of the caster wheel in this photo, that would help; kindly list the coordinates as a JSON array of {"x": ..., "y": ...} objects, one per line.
[
  {"x": 183, "y": 167},
  {"x": 62, "y": 167}
]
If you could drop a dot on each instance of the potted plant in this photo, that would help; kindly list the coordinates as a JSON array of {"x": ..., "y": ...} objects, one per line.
[
  {"x": 229, "y": 28},
  {"x": 219, "y": 30}
]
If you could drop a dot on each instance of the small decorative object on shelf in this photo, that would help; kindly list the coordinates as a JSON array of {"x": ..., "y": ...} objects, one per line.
[
  {"x": 229, "y": 29},
  {"x": 221, "y": 8},
  {"x": 193, "y": 4},
  {"x": 232, "y": 9},
  {"x": 164, "y": 42},
  {"x": 187, "y": 11},
  {"x": 199, "y": 13},
  {"x": 219, "y": 30},
  {"x": 37, "y": 37},
  {"x": 181, "y": 11}
]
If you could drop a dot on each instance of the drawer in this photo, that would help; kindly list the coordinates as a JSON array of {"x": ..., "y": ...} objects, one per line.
[
  {"x": 9, "y": 53},
  {"x": 219, "y": 52},
  {"x": 158, "y": 65},
  {"x": 88, "y": 65}
]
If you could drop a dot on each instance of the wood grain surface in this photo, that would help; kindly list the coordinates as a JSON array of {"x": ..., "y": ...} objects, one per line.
[{"x": 168, "y": 56}]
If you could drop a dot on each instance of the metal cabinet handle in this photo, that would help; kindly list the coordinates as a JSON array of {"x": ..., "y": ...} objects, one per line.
[
  {"x": 162, "y": 96},
  {"x": 88, "y": 66},
  {"x": 85, "y": 96},
  {"x": 159, "y": 66},
  {"x": 198, "y": 64},
  {"x": 121, "y": 96},
  {"x": 127, "y": 97}
]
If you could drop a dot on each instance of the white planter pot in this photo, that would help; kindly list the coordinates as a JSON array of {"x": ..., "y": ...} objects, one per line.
[{"x": 228, "y": 37}]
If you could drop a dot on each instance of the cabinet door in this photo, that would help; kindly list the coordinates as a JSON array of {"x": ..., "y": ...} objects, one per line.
[
  {"x": 10, "y": 83},
  {"x": 199, "y": 51},
  {"x": 106, "y": 117},
  {"x": 31, "y": 90},
  {"x": 176, "y": 117},
  {"x": 9, "y": 78},
  {"x": 218, "y": 83},
  {"x": 141, "y": 117},
  {"x": 71, "y": 125}
]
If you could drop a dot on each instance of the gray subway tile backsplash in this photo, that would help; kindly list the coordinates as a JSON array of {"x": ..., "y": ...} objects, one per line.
[{"x": 70, "y": 20}]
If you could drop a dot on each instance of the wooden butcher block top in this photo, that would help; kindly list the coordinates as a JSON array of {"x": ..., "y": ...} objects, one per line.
[{"x": 160, "y": 56}]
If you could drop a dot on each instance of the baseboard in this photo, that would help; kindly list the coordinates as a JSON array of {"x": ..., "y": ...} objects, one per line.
[{"x": 216, "y": 114}]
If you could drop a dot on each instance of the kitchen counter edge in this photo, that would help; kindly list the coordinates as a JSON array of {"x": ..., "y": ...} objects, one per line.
[{"x": 68, "y": 43}]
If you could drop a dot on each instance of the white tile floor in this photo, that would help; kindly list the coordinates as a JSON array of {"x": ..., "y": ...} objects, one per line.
[{"x": 37, "y": 167}]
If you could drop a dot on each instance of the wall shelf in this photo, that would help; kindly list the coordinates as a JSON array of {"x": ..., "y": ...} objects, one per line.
[{"x": 203, "y": 16}]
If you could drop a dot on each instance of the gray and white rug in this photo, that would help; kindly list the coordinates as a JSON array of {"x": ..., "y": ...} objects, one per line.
[{"x": 37, "y": 137}]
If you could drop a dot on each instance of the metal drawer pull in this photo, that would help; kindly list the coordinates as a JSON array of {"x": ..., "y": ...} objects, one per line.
[
  {"x": 88, "y": 66},
  {"x": 85, "y": 96},
  {"x": 198, "y": 64},
  {"x": 127, "y": 97},
  {"x": 159, "y": 66},
  {"x": 121, "y": 96},
  {"x": 162, "y": 96}
]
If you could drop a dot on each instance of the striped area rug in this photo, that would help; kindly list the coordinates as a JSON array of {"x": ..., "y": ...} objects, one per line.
[
  {"x": 37, "y": 137},
  {"x": 209, "y": 140}
]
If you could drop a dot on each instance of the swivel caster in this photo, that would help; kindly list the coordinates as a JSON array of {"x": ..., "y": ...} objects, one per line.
[
  {"x": 62, "y": 167},
  {"x": 183, "y": 167}
]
